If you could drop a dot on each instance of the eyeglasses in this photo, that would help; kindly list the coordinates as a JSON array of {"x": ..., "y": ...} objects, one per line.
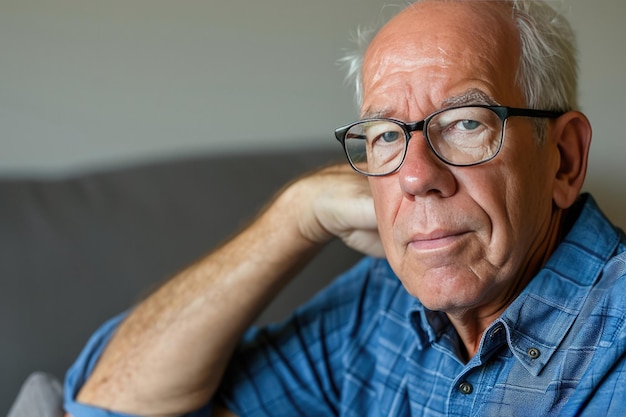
[{"x": 458, "y": 136}]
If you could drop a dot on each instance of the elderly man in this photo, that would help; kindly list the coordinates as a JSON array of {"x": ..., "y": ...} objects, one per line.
[{"x": 501, "y": 288}]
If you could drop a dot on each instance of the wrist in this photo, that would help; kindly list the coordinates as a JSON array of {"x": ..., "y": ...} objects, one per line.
[{"x": 297, "y": 210}]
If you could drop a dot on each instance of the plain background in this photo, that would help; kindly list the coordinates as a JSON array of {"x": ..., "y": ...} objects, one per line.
[{"x": 87, "y": 84}]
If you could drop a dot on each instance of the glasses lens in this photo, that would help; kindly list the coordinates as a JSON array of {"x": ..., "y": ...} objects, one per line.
[
  {"x": 466, "y": 135},
  {"x": 375, "y": 147}
]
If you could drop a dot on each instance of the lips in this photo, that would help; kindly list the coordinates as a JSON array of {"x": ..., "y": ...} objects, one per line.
[{"x": 438, "y": 239}]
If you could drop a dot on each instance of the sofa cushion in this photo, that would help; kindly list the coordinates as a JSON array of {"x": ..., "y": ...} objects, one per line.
[
  {"x": 40, "y": 396},
  {"x": 77, "y": 250}
]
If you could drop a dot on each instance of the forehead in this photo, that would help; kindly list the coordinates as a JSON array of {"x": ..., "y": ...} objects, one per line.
[{"x": 435, "y": 50}]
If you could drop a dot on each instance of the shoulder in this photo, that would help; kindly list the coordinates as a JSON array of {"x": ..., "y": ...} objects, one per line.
[
  {"x": 365, "y": 289},
  {"x": 612, "y": 282},
  {"x": 345, "y": 310}
]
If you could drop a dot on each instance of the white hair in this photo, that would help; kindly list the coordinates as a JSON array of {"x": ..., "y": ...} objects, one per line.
[{"x": 547, "y": 73}]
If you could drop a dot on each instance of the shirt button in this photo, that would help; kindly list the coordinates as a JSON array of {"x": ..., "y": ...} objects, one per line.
[
  {"x": 533, "y": 353},
  {"x": 466, "y": 388},
  {"x": 496, "y": 330}
]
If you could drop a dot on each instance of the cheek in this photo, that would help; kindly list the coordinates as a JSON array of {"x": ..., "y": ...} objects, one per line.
[
  {"x": 387, "y": 198},
  {"x": 515, "y": 206}
]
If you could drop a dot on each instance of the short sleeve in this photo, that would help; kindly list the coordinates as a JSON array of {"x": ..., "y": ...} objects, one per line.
[
  {"x": 84, "y": 365},
  {"x": 80, "y": 370}
]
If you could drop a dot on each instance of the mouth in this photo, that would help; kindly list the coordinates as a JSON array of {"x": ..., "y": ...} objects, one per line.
[{"x": 437, "y": 240}]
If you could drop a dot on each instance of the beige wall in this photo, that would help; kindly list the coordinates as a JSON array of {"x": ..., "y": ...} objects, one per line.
[
  {"x": 601, "y": 29},
  {"x": 85, "y": 83}
]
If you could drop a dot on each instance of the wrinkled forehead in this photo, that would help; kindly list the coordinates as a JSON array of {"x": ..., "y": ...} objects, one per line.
[{"x": 432, "y": 42}]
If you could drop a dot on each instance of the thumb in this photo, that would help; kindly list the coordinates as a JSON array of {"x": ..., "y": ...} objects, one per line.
[{"x": 359, "y": 229}]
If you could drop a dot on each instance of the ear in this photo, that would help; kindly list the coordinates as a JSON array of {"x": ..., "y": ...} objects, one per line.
[{"x": 571, "y": 134}]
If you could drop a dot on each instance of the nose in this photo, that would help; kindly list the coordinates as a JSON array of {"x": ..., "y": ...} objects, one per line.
[{"x": 423, "y": 174}]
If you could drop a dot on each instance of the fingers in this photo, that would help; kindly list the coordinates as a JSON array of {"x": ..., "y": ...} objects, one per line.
[
  {"x": 365, "y": 242},
  {"x": 344, "y": 208},
  {"x": 333, "y": 202}
]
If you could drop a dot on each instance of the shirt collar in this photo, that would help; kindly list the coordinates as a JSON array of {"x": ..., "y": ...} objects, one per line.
[{"x": 538, "y": 320}]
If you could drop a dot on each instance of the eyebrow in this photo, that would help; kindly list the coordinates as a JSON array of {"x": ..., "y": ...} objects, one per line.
[
  {"x": 473, "y": 96},
  {"x": 376, "y": 114},
  {"x": 469, "y": 97}
]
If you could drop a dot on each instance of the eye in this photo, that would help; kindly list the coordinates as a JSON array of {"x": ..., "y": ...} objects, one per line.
[
  {"x": 382, "y": 132},
  {"x": 390, "y": 136},
  {"x": 467, "y": 124}
]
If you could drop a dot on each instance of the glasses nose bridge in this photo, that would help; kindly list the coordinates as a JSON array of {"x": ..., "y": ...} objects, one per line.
[{"x": 410, "y": 128}]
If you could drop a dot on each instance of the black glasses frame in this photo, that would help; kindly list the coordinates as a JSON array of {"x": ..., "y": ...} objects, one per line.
[{"x": 503, "y": 113}]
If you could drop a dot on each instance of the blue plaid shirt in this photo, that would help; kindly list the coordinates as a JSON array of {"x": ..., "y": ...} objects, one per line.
[{"x": 365, "y": 347}]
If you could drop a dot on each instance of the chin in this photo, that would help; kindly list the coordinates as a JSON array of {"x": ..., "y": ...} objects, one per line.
[{"x": 444, "y": 288}]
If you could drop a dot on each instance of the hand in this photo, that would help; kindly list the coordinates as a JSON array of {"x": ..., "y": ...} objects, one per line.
[{"x": 340, "y": 205}]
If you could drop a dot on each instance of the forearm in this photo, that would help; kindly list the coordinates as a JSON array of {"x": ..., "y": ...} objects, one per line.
[{"x": 169, "y": 355}]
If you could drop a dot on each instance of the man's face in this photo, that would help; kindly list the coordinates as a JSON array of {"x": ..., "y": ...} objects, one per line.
[{"x": 460, "y": 238}]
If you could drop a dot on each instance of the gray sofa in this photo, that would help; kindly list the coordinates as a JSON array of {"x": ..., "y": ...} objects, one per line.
[{"x": 77, "y": 250}]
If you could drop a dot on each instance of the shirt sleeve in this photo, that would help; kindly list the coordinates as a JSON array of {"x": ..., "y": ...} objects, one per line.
[
  {"x": 78, "y": 373},
  {"x": 84, "y": 365}
]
